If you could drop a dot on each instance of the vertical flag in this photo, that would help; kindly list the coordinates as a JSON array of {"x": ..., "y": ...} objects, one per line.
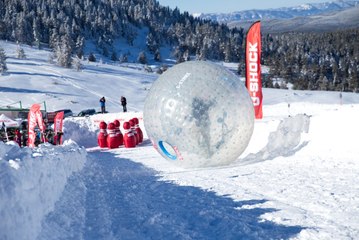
[
  {"x": 58, "y": 122},
  {"x": 253, "y": 67}
]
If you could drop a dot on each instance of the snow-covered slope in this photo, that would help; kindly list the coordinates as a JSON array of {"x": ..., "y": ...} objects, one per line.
[
  {"x": 35, "y": 80},
  {"x": 307, "y": 17},
  {"x": 346, "y": 19},
  {"x": 298, "y": 178},
  {"x": 281, "y": 13}
]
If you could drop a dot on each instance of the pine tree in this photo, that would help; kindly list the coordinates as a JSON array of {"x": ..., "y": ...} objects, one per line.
[
  {"x": 105, "y": 52},
  {"x": 79, "y": 46},
  {"x": 151, "y": 43},
  {"x": 157, "y": 56},
  {"x": 178, "y": 54},
  {"x": 51, "y": 58},
  {"x": 3, "y": 67},
  {"x": 123, "y": 58},
  {"x": 64, "y": 52},
  {"x": 23, "y": 31},
  {"x": 77, "y": 64},
  {"x": 3, "y": 30},
  {"x": 20, "y": 53},
  {"x": 114, "y": 56},
  {"x": 142, "y": 58},
  {"x": 36, "y": 33},
  {"x": 353, "y": 80},
  {"x": 92, "y": 58}
]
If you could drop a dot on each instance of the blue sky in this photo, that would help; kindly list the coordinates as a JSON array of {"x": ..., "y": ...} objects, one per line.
[{"x": 225, "y": 6}]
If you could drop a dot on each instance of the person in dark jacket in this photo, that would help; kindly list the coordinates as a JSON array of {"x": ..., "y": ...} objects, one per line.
[
  {"x": 103, "y": 104},
  {"x": 124, "y": 103}
]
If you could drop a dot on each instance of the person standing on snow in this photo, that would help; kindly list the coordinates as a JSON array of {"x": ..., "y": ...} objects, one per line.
[
  {"x": 124, "y": 103},
  {"x": 102, "y": 104},
  {"x": 18, "y": 137}
]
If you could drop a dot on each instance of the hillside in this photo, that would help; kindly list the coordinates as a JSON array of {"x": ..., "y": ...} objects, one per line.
[
  {"x": 325, "y": 22},
  {"x": 35, "y": 79},
  {"x": 69, "y": 27},
  {"x": 308, "y": 9}
]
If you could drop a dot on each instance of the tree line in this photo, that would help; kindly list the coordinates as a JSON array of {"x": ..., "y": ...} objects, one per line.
[
  {"x": 313, "y": 61},
  {"x": 64, "y": 25}
]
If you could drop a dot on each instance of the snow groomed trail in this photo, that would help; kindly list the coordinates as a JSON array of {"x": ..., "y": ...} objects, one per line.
[{"x": 116, "y": 198}]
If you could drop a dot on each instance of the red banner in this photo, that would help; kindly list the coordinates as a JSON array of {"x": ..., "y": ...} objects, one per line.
[
  {"x": 58, "y": 122},
  {"x": 253, "y": 67}
]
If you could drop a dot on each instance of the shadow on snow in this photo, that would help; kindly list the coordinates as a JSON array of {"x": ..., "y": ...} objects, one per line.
[
  {"x": 115, "y": 198},
  {"x": 23, "y": 90},
  {"x": 33, "y": 74},
  {"x": 102, "y": 69}
]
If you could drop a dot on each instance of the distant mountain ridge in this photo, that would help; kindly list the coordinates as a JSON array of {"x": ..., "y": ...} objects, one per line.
[
  {"x": 338, "y": 20},
  {"x": 346, "y": 19},
  {"x": 309, "y": 9}
]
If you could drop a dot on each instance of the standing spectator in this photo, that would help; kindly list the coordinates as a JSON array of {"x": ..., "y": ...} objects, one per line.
[
  {"x": 18, "y": 137},
  {"x": 102, "y": 104},
  {"x": 124, "y": 103},
  {"x": 341, "y": 98},
  {"x": 23, "y": 132}
]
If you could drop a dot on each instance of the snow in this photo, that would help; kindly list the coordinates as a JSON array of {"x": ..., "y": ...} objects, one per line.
[
  {"x": 297, "y": 179},
  {"x": 32, "y": 180}
]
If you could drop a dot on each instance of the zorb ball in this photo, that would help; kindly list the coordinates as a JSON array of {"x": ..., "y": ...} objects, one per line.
[{"x": 198, "y": 114}]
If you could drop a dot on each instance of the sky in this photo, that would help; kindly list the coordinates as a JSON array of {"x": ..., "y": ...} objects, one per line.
[
  {"x": 297, "y": 179},
  {"x": 216, "y": 6}
]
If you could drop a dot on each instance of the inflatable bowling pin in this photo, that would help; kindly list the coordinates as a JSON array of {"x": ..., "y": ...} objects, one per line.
[
  {"x": 132, "y": 124},
  {"x": 111, "y": 137},
  {"x": 129, "y": 138},
  {"x": 102, "y": 136},
  {"x": 138, "y": 130},
  {"x": 118, "y": 133}
]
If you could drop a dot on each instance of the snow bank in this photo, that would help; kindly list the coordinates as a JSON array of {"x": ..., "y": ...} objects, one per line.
[
  {"x": 31, "y": 181},
  {"x": 285, "y": 141},
  {"x": 82, "y": 130}
]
